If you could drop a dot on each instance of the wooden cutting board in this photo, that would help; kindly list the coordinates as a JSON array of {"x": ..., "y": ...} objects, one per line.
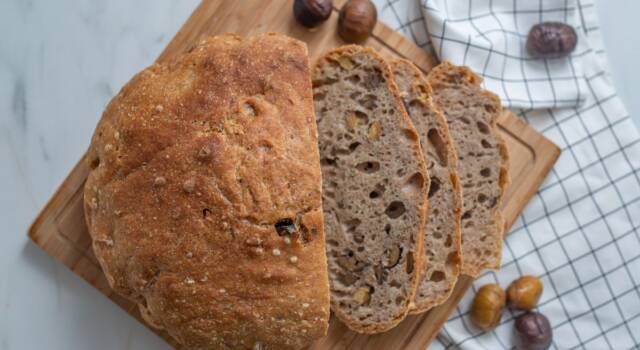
[{"x": 60, "y": 228}]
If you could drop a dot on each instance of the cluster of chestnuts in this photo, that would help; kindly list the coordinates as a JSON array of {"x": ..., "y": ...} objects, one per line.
[
  {"x": 355, "y": 20},
  {"x": 532, "y": 328}
]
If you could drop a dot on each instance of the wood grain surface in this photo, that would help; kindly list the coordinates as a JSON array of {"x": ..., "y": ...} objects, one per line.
[{"x": 61, "y": 231}]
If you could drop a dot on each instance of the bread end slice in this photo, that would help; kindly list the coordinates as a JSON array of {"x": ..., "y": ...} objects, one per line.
[{"x": 483, "y": 161}]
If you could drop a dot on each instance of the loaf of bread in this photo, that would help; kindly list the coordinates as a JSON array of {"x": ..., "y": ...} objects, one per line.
[
  {"x": 442, "y": 230},
  {"x": 472, "y": 113},
  {"x": 203, "y": 198},
  {"x": 374, "y": 189}
]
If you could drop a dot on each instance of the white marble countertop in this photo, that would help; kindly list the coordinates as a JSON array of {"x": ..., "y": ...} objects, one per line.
[{"x": 60, "y": 63}]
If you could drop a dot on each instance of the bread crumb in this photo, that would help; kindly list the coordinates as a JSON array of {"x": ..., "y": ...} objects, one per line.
[
  {"x": 189, "y": 280},
  {"x": 94, "y": 203},
  {"x": 189, "y": 255},
  {"x": 222, "y": 290},
  {"x": 287, "y": 240},
  {"x": 189, "y": 185},
  {"x": 293, "y": 259},
  {"x": 159, "y": 108},
  {"x": 108, "y": 147},
  {"x": 275, "y": 252},
  {"x": 259, "y": 251},
  {"x": 116, "y": 135},
  {"x": 257, "y": 346},
  {"x": 159, "y": 181},
  {"x": 204, "y": 153},
  {"x": 118, "y": 212},
  {"x": 305, "y": 305}
]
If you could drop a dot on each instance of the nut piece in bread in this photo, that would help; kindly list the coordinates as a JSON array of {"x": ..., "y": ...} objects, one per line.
[{"x": 204, "y": 196}]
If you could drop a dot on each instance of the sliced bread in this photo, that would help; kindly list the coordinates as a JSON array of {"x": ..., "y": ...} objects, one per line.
[
  {"x": 442, "y": 230},
  {"x": 472, "y": 113},
  {"x": 374, "y": 189}
]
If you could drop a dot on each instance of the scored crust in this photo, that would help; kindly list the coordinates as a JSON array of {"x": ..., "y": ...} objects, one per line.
[
  {"x": 374, "y": 189},
  {"x": 203, "y": 198},
  {"x": 442, "y": 230},
  {"x": 483, "y": 162}
]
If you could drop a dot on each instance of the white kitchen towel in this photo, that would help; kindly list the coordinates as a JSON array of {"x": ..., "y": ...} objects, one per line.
[
  {"x": 486, "y": 36},
  {"x": 581, "y": 232}
]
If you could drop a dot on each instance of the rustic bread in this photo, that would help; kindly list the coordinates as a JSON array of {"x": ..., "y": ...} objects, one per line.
[
  {"x": 374, "y": 189},
  {"x": 204, "y": 196},
  {"x": 472, "y": 113},
  {"x": 442, "y": 230}
]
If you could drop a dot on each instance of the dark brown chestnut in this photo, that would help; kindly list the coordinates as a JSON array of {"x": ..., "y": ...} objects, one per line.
[
  {"x": 356, "y": 20},
  {"x": 534, "y": 331},
  {"x": 312, "y": 13},
  {"x": 551, "y": 40}
]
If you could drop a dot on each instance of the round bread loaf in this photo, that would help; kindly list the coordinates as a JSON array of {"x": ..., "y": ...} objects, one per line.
[{"x": 204, "y": 196}]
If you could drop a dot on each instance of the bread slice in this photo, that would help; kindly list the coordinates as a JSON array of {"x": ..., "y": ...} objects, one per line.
[
  {"x": 442, "y": 230},
  {"x": 472, "y": 113},
  {"x": 204, "y": 196},
  {"x": 374, "y": 189}
]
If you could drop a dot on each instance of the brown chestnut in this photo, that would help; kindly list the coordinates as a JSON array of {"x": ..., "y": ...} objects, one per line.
[
  {"x": 312, "y": 13},
  {"x": 524, "y": 292},
  {"x": 534, "y": 331},
  {"x": 356, "y": 20},
  {"x": 551, "y": 40},
  {"x": 487, "y": 306}
]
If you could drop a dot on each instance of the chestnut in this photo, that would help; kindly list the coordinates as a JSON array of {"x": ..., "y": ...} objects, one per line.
[
  {"x": 312, "y": 13},
  {"x": 533, "y": 331},
  {"x": 524, "y": 292},
  {"x": 356, "y": 20},
  {"x": 487, "y": 306},
  {"x": 551, "y": 40}
]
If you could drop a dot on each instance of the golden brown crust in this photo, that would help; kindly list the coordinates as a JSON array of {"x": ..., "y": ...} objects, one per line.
[
  {"x": 405, "y": 122},
  {"x": 448, "y": 74},
  {"x": 192, "y": 165}
]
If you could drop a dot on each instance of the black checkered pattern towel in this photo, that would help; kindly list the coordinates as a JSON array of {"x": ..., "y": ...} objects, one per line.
[{"x": 580, "y": 232}]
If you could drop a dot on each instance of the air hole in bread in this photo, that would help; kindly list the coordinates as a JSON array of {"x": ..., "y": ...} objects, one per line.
[
  {"x": 486, "y": 172},
  {"x": 328, "y": 161},
  {"x": 354, "y": 146},
  {"x": 319, "y": 96},
  {"x": 387, "y": 229},
  {"x": 354, "y": 79},
  {"x": 466, "y": 215},
  {"x": 399, "y": 300},
  {"x": 486, "y": 144},
  {"x": 437, "y": 235},
  {"x": 409, "y": 263},
  {"x": 448, "y": 242},
  {"x": 285, "y": 227},
  {"x": 206, "y": 212},
  {"x": 414, "y": 186},
  {"x": 332, "y": 242},
  {"x": 483, "y": 128},
  {"x": 464, "y": 120},
  {"x": 373, "y": 79},
  {"x": 264, "y": 146},
  {"x": 434, "y": 186},
  {"x": 351, "y": 225},
  {"x": 248, "y": 109},
  {"x": 437, "y": 276},
  {"x": 368, "y": 167},
  {"x": 395, "y": 209},
  {"x": 94, "y": 163},
  {"x": 439, "y": 146},
  {"x": 483, "y": 238},
  {"x": 354, "y": 95},
  {"x": 374, "y": 194},
  {"x": 481, "y": 197},
  {"x": 380, "y": 273}
]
